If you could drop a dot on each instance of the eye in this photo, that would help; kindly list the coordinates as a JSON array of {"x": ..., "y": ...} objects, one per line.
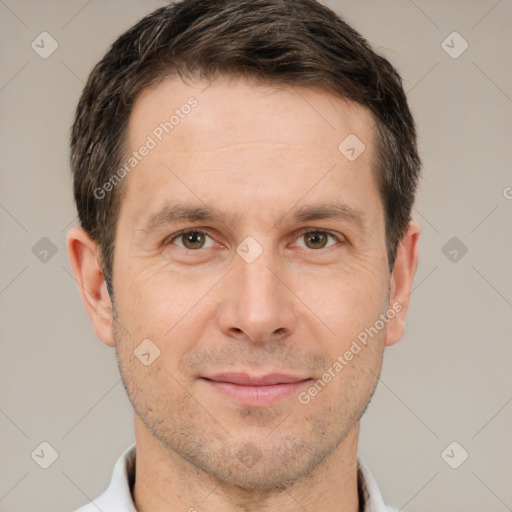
[
  {"x": 191, "y": 239},
  {"x": 317, "y": 239}
]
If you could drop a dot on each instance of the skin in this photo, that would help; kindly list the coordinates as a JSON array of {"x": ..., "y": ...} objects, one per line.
[{"x": 260, "y": 153}]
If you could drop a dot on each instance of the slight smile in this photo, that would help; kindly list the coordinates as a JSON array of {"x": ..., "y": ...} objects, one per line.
[{"x": 256, "y": 390}]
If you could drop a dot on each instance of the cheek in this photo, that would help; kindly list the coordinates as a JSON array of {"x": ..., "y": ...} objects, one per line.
[
  {"x": 169, "y": 311},
  {"x": 160, "y": 302},
  {"x": 347, "y": 301}
]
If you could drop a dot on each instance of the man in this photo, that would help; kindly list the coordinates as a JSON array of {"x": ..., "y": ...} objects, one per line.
[{"x": 244, "y": 174}]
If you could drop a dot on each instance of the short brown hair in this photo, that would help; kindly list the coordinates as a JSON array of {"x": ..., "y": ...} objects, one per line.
[{"x": 287, "y": 42}]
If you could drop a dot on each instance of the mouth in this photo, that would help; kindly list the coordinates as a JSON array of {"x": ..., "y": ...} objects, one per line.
[{"x": 252, "y": 390}]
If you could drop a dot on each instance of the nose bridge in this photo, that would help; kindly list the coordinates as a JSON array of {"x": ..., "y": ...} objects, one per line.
[
  {"x": 259, "y": 289},
  {"x": 257, "y": 279}
]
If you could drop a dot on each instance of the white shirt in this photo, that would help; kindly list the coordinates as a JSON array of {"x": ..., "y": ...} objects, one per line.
[{"x": 118, "y": 495}]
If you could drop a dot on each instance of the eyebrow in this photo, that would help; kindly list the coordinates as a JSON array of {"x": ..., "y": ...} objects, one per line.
[{"x": 193, "y": 213}]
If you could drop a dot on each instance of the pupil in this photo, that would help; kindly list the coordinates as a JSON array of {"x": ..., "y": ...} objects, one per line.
[{"x": 194, "y": 239}]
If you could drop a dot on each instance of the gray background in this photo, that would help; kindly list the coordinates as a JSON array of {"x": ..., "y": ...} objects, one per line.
[{"x": 448, "y": 380}]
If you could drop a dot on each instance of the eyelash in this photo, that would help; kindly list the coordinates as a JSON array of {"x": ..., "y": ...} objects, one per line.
[{"x": 303, "y": 232}]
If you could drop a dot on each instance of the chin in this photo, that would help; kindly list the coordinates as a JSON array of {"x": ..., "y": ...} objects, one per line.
[{"x": 262, "y": 466}]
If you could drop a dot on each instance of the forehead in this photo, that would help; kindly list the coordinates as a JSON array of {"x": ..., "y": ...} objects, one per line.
[
  {"x": 247, "y": 142},
  {"x": 234, "y": 110}
]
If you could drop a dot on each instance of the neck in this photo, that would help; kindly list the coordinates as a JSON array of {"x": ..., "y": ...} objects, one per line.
[{"x": 165, "y": 481}]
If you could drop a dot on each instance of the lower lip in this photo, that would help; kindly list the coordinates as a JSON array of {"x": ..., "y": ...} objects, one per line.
[{"x": 257, "y": 395}]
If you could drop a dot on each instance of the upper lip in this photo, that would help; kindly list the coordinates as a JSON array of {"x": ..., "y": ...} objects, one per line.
[{"x": 243, "y": 379}]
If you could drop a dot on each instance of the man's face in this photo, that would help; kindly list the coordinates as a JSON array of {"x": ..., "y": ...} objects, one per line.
[{"x": 224, "y": 309}]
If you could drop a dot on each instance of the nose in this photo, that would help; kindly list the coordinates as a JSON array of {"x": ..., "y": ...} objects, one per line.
[{"x": 258, "y": 305}]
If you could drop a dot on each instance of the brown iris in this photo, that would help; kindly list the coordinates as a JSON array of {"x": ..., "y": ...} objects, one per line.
[
  {"x": 193, "y": 239},
  {"x": 318, "y": 239}
]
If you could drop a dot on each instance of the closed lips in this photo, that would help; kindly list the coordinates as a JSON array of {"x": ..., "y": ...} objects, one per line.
[{"x": 243, "y": 379}]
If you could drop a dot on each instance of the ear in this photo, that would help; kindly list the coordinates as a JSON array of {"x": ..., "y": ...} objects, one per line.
[
  {"x": 84, "y": 258},
  {"x": 406, "y": 263}
]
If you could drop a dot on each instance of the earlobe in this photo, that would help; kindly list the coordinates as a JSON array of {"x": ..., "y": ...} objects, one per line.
[
  {"x": 404, "y": 270},
  {"x": 84, "y": 258}
]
